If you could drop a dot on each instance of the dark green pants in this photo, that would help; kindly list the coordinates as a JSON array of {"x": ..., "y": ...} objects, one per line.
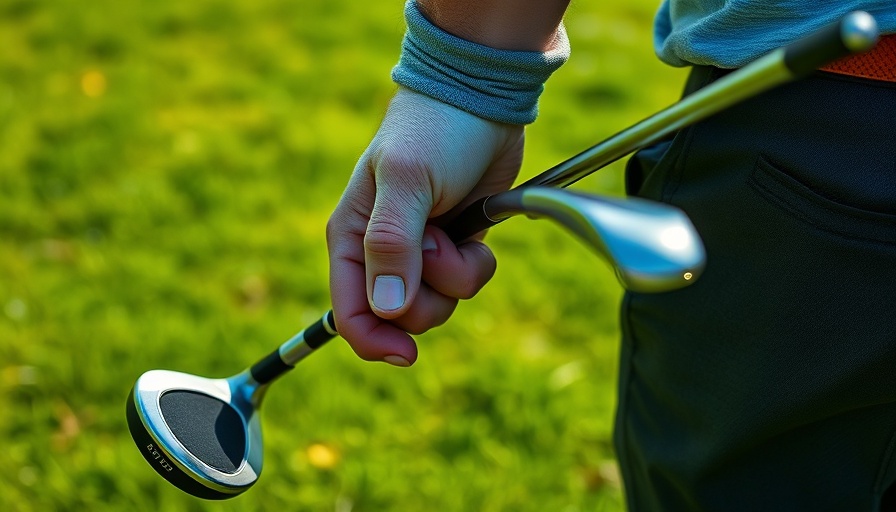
[{"x": 770, "y": 384}]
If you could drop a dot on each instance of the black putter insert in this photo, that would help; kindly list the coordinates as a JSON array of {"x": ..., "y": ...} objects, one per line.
[{"x": 209, "y": 428}]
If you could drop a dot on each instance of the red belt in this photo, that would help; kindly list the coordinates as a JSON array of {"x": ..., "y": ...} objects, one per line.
[{"x": 878, "y": 64}]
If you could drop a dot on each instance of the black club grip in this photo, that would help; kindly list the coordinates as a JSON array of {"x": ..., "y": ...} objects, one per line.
[
  {"x": 855, "y": 33},
  {"x": 470, "y": 221}
]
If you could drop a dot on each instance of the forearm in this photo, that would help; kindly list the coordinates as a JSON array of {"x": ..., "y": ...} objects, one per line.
[{"x": 502, "y": 24}]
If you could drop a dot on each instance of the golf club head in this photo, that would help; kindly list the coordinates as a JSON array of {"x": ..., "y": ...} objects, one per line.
[
  {"x": 202, "y": 435},
  {"x": 652, "y": 246}
]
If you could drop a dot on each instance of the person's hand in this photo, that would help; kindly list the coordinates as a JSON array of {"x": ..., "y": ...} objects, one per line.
[{"x": 392, "y": 271}]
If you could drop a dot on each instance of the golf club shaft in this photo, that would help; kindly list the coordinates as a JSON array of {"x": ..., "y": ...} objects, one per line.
[{"x": 855, "y": 33}]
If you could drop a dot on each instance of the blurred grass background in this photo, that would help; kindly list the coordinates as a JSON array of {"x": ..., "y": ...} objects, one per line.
[{"x": 166, "y": 172}]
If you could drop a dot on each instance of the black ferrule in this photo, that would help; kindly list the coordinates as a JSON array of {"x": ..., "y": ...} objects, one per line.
[
  {"x": 316, "y": 334},
  {"x": 470, "y": 221},
  {"x": 269, "y": 368}
]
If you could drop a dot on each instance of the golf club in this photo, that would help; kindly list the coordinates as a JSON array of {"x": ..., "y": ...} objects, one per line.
[
  {"x": 653, "y": 247},
  {"x": 204, "y": 435}
]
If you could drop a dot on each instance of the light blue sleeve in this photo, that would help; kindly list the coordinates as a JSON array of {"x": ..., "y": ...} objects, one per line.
[
  {"x": 500, "y": 85},
  {"x": 731, "y": 33}
]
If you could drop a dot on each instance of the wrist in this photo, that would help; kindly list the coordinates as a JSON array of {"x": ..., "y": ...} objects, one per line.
[
  {"x": 527, "y": 25},
  {"x": 495, "y": 84}
]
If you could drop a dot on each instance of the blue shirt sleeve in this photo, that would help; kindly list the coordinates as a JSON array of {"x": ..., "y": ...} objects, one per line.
[
  {"x": 732, "y": 33},
  {"x": 500, "y": 85}
]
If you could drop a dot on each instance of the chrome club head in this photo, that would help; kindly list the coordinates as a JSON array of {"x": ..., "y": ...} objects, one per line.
[
  {"x": 202, "y": 435},
  {"x": 652, "y": 246}
]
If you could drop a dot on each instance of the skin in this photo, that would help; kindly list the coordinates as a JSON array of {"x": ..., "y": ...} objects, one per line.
[
  {"x": 503, "y": 24},
  {"x": 393, "y": 272}
]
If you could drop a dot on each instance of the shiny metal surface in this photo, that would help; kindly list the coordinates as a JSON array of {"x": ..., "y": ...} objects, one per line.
[
  {"x": 859, "y": 31},
  {"x": 240, "y": 391},
  {"x": 295, "y": 349},
  {"x": 761, "y": 75},
  {"x": 652, "y": 246}
]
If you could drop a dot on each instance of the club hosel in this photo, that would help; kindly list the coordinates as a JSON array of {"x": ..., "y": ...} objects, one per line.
[
  {"x": 294, "y": 350},
  {"x": 246, "y": 391}
]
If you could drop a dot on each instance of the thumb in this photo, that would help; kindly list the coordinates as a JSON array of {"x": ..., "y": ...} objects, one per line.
[{"x": 393, "y": 257}]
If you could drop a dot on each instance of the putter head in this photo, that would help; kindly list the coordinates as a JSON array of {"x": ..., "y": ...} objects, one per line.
[
  {"x": 653, "y": 246},
  {"x": 202, "y": 435}
]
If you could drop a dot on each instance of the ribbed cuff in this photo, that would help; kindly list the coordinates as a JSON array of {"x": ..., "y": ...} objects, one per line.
[{"x": 500, "y": 85}]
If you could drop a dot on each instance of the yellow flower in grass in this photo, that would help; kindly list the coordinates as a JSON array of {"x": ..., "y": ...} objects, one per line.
[
  {"x": 93, "y": 84},
  {"x": 322, "y": 456}
]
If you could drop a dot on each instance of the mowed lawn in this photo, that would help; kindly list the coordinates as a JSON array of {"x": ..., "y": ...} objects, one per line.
[{"x": 167, "y": 169}]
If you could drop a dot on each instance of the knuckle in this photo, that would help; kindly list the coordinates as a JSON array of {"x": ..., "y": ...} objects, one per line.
[
  {"x": 467, "y": 288},
  {"x": 333, "y": 232},
  {"x": 417, "y": 328},
  {"x": 347, "y": 219},
  {"x": 385, "y": 236},
  {"x": 399, "y": 162},
  {"x": 355, "y": 336},
  {"x": 424, "y": 320},
  {"x": 403, "y": 169},
  {"x": 482, "y": 266}
]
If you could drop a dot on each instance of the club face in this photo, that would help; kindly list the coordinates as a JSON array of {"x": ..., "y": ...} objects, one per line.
[
  {"x": 202, "y": 435},
  {"x": 652, "y": 246}
]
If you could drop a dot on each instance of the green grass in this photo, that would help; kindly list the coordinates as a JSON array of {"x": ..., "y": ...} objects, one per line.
[{"x": 166, "y": 172}]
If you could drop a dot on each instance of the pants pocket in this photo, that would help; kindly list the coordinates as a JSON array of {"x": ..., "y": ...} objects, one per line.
[{"x": 838, "y": 217}]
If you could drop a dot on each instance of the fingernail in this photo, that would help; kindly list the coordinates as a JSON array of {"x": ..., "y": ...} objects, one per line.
[
  {"x": 397, "y": 361},
  {"x": 429, "y": 243},
  {"x": 388, "y": 293}
]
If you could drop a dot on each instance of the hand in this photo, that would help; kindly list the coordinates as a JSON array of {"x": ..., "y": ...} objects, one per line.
[{"x": 391, "y": 273}]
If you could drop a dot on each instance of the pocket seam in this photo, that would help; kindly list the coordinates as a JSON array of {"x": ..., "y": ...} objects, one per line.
[{"x": 801, "y": 201}]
